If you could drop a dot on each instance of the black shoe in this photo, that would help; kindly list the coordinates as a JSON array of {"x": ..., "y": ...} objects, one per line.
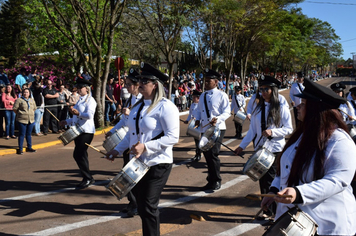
[
  {"x": 85, "y": 183},
  {"x": 196, "y": 158},
  {"x": 132, "y": 212},
  {"x": 30, "y": 150},
  {"x": 44, "y": 133},
  {"x": 19, "y": 152},
  {"x": 212, "y": 186}
]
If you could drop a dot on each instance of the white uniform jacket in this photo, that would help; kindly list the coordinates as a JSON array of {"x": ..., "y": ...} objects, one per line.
[
  {"x": 251, "y": 103},
  {"x": 277, "y": 142},
  {"x": 240, "y": 99},
  {"x": 85, "y": 119},
  {"x": 218, "y": 106},
  {"x": 125, "y": 118},
  {"x": 193, "y": 110},
  {"x": 163, "y": 117},
  {"x": 296, "y": 88},
  {"x": 348, "y": 109},
  {"x": 329, "y": 201}
]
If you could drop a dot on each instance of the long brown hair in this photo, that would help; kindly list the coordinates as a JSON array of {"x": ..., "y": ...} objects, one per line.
[
  {"x": 12, "y": 92},
  {"x": 320, "y": 123}
]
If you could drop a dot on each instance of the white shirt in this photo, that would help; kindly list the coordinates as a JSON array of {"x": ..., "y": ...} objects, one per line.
[
  {"x": 251, "y": 103},
  {"x": 240, "y": 99},
  {"x": 218, "y": 106},
  {"x": 124, "y": 118},
  {"x": 349, "y": 110},
  {"x": 192, "y": 111},
  {"x": 85, "y": 119},
  {"x": 296, "y": 89},
  {"x": 278, "y": 133},
  {"x": 163, "y": 117},
  {"x": 329, "y": 201}
]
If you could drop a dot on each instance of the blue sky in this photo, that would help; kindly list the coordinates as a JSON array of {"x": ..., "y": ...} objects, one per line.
[{"x": 341, "y": 16}]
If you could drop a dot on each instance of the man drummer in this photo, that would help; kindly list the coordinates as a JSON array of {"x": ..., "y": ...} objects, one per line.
[
  {"x": 132, "y": 84},
  {"x": 346, "y": 109},
  {"x": 238, "y": 103},
  {"x": 192, "y": 114},
  {"x": 296, "y": 88},
  {"x": 213, "y": 110}
]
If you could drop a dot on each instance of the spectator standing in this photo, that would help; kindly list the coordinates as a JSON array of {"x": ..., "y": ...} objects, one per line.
[
  {"x": 24, "y": 108},
  {"x": 50, "y": 95},
  {"x": 85, "y": 74},
  {"x": 109, "y": 101},
  {"x": 37, "y": 88},
  {"x": 8, "y": 99},
  {"x": 21, "y": 79},
  {"x": 2, "y": 112},
  {"x": 32, "y": 76},
  {"x": 3, "y": 76},
  {"x": 73, "y": 99},
  {"x": 62, "y": 100}
]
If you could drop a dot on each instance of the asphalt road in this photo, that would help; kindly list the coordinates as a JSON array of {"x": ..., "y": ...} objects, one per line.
[{"x": 38, "y": 195}]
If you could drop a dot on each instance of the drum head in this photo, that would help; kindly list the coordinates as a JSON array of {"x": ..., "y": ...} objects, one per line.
[
  {"x": 251, "y": 161},
  {"x": 209, "y": 138}
]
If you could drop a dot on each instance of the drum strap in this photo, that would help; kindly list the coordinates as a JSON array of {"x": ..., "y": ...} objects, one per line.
[
  {"x": 128, "y": 102},
  {"x": 353, "y": 104},
  {"x": 263, "y": 117},
  {"x": 138, "y": 117},
  {"x": 206, "y": 106},
  {"x": 237, "y": 102},
  {"x": 300, "y": 88}
]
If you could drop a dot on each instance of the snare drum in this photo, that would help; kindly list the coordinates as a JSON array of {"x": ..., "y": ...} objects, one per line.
[
  {"x": 72, "y": 133},
  {"x": 113, "y": 140},
  {"x": 192, "y": 130},
  {"x": 258, "y": 164},
  {"x": 294, "y": 222},
  {"x": 127, "y": 178},
  {"x": 209, "y": 138},
  {"x": 240, "y": 117}
]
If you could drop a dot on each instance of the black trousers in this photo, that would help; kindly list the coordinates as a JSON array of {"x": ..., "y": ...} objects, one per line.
[
  {"x": 213, "y": 161},
  {"x": 197, "y": 149},
  {"x": 48, "y": 118},
  {"x": 295, "y": 117},
  {"x": 130, "y": 196},
  {"x": 238, "y": 129},
  {"x": 148, "y": 192},
  {"x": 266, "y": 181},
  {"x": 80, "y": 154}
]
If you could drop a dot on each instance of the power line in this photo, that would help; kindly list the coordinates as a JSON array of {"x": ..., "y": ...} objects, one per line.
[
  {"x": 334, "y": 3},
  {"x": 347, "y": 40}
]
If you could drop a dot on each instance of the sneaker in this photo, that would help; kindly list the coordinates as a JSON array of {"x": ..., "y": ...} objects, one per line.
[
  {"x": 85, "y": 184},
  {"x": 30, "y": 150},
  {"x": 19, "y": 152}
]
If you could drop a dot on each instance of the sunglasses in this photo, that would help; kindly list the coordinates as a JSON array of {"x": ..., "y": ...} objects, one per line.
[
  {"x": 144, "y": 81},
  {"x": 264, "y": 89}
]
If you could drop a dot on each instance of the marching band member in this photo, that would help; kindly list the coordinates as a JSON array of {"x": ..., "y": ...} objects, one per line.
[
  {"x": 270, "y": 120},
  {"x": 347, "y": 111},
  {"x": 315, "y": 167},
  {"x": 83, "y": 115},
  {"x": 192, "y": 114},
  {"x": 213, "y": 108},
  {"x": 238, "y": 103},
  {"x": 296, "y": 88},
  {"x": 132, "y": 85},
  {"x": 153, "y": 130}
]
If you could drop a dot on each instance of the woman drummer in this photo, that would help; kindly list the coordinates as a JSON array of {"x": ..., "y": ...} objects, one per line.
[
  {"x": 132, "y": 84},
  {"x": 316, "y": 166},
  {"x": 153, "y": 130},
  {"x": 270, "y": 123},
  {"x": 83, "y": 115}
]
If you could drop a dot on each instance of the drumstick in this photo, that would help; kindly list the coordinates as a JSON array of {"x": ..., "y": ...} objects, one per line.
[
  {"x": 206, "y": 125},
  {"x": 95, "y": 149},
  {"x": 119, "y": 115},
  {"x": 182, "y": 120},
  {"x": 350, "y": 117},
  {"x": 272, "y": 195},
  {"x": 52, "y": 115},
  {"x": 257, "y": 214}
]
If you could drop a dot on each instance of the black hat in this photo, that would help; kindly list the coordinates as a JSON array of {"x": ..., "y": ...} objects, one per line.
[
  {"x": 338, "y": 87},
  {"x": 238, "y": 88},
  {"x": 211, "y": 74},
  {"x": 132, "y": 75},
  {"x": 82, "y": 83},
  {"x": 196, "y": 93},
  {"x": 300, "y": 74},
  {"x": 149, "y": 72},
  {"x": 268, "y": 80},
  {"x": 317, "y": 92},
  {"x": 352, "y": 90}
]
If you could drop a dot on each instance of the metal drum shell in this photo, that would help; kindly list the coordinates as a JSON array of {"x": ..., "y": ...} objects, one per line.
[
  {"x": 294, "y": 222},
  {"x": 69, "y": 135},
  {"x": 240, "y": 117},
  {"x": 113, "y": 140},
  {"x": 127, "y": 178},
  {"x": 212, "y": 135},
  {"x": 191, "y": 131},
  {"x": 258, "y": 164}
]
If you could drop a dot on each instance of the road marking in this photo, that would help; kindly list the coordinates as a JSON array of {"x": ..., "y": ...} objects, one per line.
[
  {"x": 77, "y": 225},
  {"x": 239, "y": 230}
]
